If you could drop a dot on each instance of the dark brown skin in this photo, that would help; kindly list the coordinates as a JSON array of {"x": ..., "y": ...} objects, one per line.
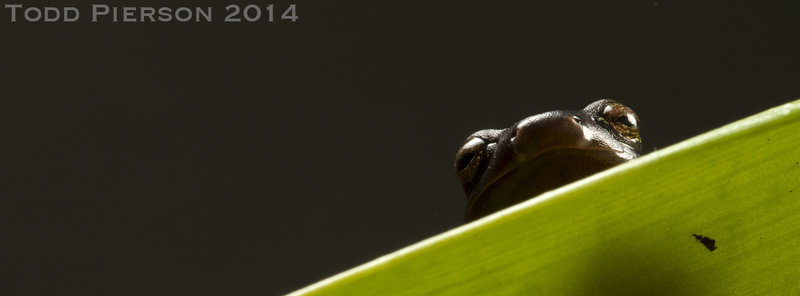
[{"x": 502, "y": 167}]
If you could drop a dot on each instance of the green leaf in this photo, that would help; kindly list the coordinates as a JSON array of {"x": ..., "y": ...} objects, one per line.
[{"x": 638, "y": 229}]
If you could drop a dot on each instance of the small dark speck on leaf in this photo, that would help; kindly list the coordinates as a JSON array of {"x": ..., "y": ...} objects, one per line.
[{"x": 706, "y": 241}]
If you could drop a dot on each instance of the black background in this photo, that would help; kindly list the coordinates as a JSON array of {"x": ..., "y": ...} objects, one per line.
[{"x": 254, "y": 159}]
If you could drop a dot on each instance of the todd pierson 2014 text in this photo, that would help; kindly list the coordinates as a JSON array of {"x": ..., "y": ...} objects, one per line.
[{"x": 148, "y": 14}]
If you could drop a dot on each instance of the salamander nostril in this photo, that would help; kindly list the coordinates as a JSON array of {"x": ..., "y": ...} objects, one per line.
[{"x": 464, "y": 161}]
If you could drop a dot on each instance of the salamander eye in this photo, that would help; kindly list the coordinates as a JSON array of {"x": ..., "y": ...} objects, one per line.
[
  {"x": 622, "y": 119},
  {"x": 629, "y": 120}
]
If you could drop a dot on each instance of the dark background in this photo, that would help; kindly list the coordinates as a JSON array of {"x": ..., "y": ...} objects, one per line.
[{"x": 255, "y": 159}]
